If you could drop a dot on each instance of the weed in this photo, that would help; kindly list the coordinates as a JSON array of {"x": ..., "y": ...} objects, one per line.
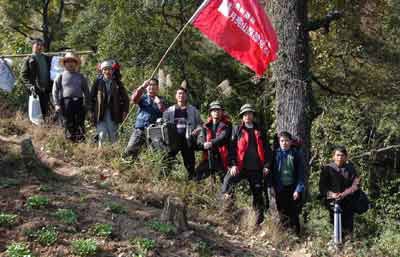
[
  {"x": 7, "y": 220},
  {"x": 66, "y": 215},
  {"x": 84, "y": 247},
  {"x": 116, "y": 208},
  {"x": 143, "y": 245},
  {"x": 18, "y": 250},
  {"x": 203, "y": 249},
  {"x": 103, "y": 230},
  {"x": 47, "y": 236},
  {"x": 37, "y": 201},
  {"x": 45, "y": 188},
  {"x": 161, "y": 227}
]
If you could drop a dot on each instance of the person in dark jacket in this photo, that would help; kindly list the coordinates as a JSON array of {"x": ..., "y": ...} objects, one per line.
[
  {"x": 36, "y": 75},
  {"x": 288, "y": 181},
  {"x": 249, "y": 158},
  {"x": 109, "y": 102},
  {"x": 151, "y": 107},
  {"x": 213, "y": 140},
  {"x": 338, "y": 181}
]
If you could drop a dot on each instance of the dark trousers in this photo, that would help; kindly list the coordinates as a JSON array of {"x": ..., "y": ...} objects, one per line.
[
  {"x": 187, "y": 155},
  {"x": 289, "y": 209},
  {"x": 347, "y": 215},
  {"x": 203, "y": 170},
  {"x": 73, "y": 114},
  {"x": 255, "y": 179},
  {"x": 44, "y": 98},
  {"x": 136, "y": 141}
]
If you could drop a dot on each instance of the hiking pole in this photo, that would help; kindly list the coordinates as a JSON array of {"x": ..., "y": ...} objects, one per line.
[{"x": 337, "y": 224}]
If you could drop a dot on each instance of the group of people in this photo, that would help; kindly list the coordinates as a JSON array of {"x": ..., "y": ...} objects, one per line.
[{"x": 231, "y": 152}]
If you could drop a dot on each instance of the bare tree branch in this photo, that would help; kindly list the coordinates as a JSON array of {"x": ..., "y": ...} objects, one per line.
[
  {"x": 60, "y": 11},
  {"x": 374, "y": 151},
  {"x": 20, "y": 31},
  {"x": 30, "y": 28},
  {"x": 325, "y": 22},
  {"x": 327, "y": 89}
]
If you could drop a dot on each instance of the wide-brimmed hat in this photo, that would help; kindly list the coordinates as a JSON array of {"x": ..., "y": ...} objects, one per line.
[
  {"x": 215, "y": 105},
  {"x": 70, "y": 56},
  {"x": 246, "y": 108}
]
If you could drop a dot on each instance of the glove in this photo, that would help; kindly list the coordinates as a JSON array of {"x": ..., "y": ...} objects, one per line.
[
  {"x": 33, "y": 90},
  {"x": 207, "y": 145}
]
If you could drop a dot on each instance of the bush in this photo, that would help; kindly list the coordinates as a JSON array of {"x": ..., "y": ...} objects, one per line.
[
  {"x": 103, "y": 230},
  {"x": 18, "y": 250},
  {"x": 37, "y": 201},
  {"x": 47, "y": 236},
  {"x": 84, "y": 247},
  {"x": 7, "y": 220},
  {"x": 67, "y": 216},
  {"x": 388, "y": 242}
]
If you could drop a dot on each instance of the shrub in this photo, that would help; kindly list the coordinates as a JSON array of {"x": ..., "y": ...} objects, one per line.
[
  {"x": 66, "y": 215},
  {"x": 388, "y": 242},
  {"x": 37, "y": 201},
  {"x": 7, "y": 220},
  {"x": 47, "y": 236},
  {"x": 103, "y": 230},
  {"x": 18, "y": 250},
  {"x": 143, "y": 245},
  {"x": 116, "y": 208},
  {"x": 84, "y": 247},
  {"x": 161, "y": 227}
]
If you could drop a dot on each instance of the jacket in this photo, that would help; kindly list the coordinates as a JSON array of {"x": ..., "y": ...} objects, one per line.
[
  {"x": 298, "y": 162},
  {"x": 119, "y": 100},
  {"x": 193, "y": 116},
  {"x": 30, "y": 74},
  {"x": 239, "y": 143},
  {"x": 220, "y": 142},
  {"x": 338, "y": 180}
]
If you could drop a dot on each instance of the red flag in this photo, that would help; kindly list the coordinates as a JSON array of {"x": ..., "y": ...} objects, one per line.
[{"x": 242, "y": 29}]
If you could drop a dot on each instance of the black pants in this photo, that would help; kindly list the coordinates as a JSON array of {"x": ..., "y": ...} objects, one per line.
[
  {"x": 203, "y": 170},
  {"x": 289, "y": 209},
  {"x": 255, "y": 179},
  {"x": 187, "y": 155},
  {"x": 73, "y": 114},
  {"x": 44, "y": 98},
  {"x": 136, "y": 141}
]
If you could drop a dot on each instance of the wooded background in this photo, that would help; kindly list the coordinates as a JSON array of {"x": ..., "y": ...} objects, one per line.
[{"x": 336, "y": 80}]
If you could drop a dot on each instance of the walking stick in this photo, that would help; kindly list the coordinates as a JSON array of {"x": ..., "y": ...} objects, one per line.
[{"x": 337, "y": 224}]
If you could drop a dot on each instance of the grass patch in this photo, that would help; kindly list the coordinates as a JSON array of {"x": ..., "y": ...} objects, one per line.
[
  {"x": 161, "y": 227},
  {"x": 16, "y": 249},
  {"x": 102, "y": 230},
  {"x": 47, "y": 236},
  {"x": 67, "y": 216},
  {"x": 116, "y": 208},
  {"x": 7, "y": 220},
  {"x": 37, "y": 201},
  {"x": 84, "y": 247},
  {"x": 143, "y": 245}
]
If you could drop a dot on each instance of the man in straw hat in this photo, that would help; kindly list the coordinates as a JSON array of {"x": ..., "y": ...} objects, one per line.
[
  {"x": 71, "y": 95},
  {"x": 249, "y": 158},
  {"x": 36, "y": 74},
  {"x": 109, "y": 102},
  {"x": 213, "y": 140}
]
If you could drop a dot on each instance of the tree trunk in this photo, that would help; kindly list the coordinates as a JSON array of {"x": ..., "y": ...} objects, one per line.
[{"x": 290, "y": 73}]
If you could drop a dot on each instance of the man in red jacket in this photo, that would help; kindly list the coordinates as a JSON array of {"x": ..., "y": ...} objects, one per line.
[
  {"x": 249, "y": 158},
  {"x": 213, "y": 140}
]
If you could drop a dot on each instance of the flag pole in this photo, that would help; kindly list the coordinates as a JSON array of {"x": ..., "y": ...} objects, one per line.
[{"x": 205, "y": 2}]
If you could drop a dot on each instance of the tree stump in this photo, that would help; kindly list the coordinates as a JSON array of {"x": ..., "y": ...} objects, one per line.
[
  {"x": 174, "y": 213},
  {"x": 27, "y": 149}
]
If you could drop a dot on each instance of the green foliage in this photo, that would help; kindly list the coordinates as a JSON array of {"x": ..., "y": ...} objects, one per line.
[
  {"x": 7, "y": 220},
  {"x": 84, "y": 247},
  {"x": 47, "y": 236},
  {"x": 116, "y": 208},
  {"x": 203, "y": 249},
  {"x": 67, "y": 216},
  {"x": 388, "y": 242},
  {"x": 102, "y": 230},
  {"x": 37, "y": 201},
  {"x": 16, "y": 249},
  {"x": 161, "y": 227},
  {"x": 388, "y": 202},
  {"x": 143, "y": 245}
]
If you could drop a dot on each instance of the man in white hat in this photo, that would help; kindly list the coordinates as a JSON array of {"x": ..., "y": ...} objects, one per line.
[
  {"x": 109, "y": 102},
  {"x": 36, "y": 74},
  {"x": 71, "y": 95}
]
